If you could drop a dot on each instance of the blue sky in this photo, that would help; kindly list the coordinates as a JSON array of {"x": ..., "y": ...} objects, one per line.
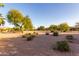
[{"x": 45, "y": 14}]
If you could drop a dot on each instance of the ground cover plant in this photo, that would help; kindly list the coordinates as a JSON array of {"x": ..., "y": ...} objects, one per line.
[
  {"x": 55, "y": 34},
  {"x": 62, "y": 46}
]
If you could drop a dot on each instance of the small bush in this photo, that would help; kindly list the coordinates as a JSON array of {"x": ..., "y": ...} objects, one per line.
[
  {"x": 69, "y": 38},
  {"x": 26, "y": 35},
  {"x": 23, "y": 36},
  {"x": 29, "y": 38},
  {"x": 33, "y": 36},
  {"x": 52, "y": 31},
  {"x": 55, "y": 34},
  {"x": 62, "y": 46},
  {"x": 29, "y": 34},
  {"x": 35, "y": 33},
  {"x": 46, "y": 33}
]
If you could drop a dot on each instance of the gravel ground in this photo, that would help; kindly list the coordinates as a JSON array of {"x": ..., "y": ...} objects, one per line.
[{"x": 12, "y": 44}]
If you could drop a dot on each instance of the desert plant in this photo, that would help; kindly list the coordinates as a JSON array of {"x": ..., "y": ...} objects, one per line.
[
  {"x": 41, "y": 28},
  {"x": 51, "y": 31},
  {"x": 53, "y": 28},
  {"x": 26, "y": 35},
  {"x": 31, "y": 37},
  {"x": 35, "y": 33},
  {"x": 55, "y": 33},
  {"x": 18, "y": 20},
  {"x": 63, "y": 27},
  {"x": 23, "y": 36},
  {"x": 62, "y": 46},
  {"x": 46, "y": 33}
]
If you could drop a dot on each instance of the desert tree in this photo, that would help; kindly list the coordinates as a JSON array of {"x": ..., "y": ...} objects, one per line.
[
  {"x": 41, "y": 28},
  {"x": 53, "y": 28},
  {"x": 63, "y": 27},
  {"x": 27, "y": 23},
  {"x": 2, "y": 22},
  {"x": 77, "y": 26},
  {"x": 1, "y": 17},
  {"x": 1, "y": 5},
  {"x": 18, "y": 20},
  {"x": 15, "y": 17}
]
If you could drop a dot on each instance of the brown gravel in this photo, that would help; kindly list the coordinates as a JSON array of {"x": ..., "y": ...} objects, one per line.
[{"x": 12, "y": 44}]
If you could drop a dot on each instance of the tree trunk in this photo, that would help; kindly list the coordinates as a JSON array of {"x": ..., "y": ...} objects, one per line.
[{"x": 21, "y": 30}]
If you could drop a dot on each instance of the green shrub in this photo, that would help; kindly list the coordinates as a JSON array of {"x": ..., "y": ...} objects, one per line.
[
  {"x": 69, "y": 38},
  {"x": 31, "y": 37},
  {"x": 29, "y": 34},
  {"x": 46, "y": 33},
  {"x": 23, "y": 36},
  {"x": 52, "y": 31},
  {"x": 62, "y": 46},
  {"x": 26, "y": 35},
  {"x": 55, "y": 34},
  {"x": 35, "y": 33}
]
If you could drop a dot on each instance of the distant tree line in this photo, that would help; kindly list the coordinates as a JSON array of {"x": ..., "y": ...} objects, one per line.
[
  {"x": 22, "y": 23},
  {"x": 63, "y": 27}
]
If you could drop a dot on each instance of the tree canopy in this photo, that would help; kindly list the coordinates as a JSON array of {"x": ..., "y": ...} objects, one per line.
[
  {"x": 2, "y": 21},
  {"x": 1, "y": 5},
  {"x": 63, "y": 27},
  {"x": 1, "y": 17},
  {"x": 27, "y": 24},
  {"x": 77, "y": 25},
  {"x": 53, "y": 27},
  {"x": 17, "y": 19},
  {"x": 41, "y": 28}
]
